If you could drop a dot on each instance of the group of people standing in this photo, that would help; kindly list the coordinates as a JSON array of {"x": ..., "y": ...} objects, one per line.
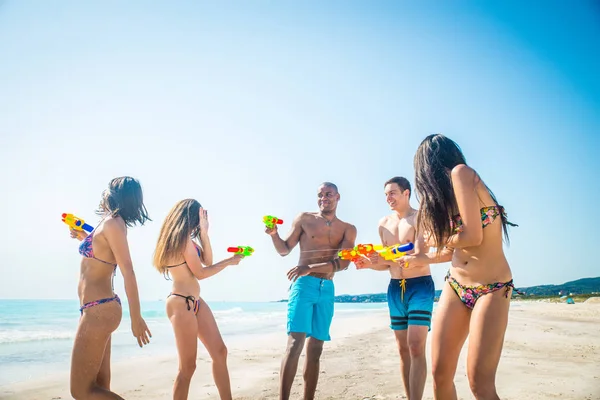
[{"x": 459, "y": 220}]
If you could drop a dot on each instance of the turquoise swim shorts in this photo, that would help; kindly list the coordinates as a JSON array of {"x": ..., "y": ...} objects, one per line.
[{"x": 310, "y": 307}]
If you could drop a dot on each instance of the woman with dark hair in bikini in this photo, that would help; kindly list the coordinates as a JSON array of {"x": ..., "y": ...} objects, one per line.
[
  {"x": 180, "y": 257},
  {"x": 463, "y": 220},
  {"x": 103, "y": 249}
]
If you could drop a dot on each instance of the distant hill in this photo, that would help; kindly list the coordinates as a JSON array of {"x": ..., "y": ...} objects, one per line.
[{"x": 580, "y": 286}]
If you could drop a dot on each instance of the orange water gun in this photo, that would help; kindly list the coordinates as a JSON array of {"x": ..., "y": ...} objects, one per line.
[
  {"x": 359, "y": 251},
  {"x": 364, "y": 250}
]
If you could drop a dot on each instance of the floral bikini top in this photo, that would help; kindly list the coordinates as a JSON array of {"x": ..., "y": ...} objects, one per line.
[
  {"x": 86, "y": 249},
  {"x": 488, "y": 215}
]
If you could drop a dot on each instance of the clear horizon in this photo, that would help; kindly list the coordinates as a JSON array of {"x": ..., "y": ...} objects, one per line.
[
  {"x": 273, "y": 300},
  {"x": 249, "y": 108}
]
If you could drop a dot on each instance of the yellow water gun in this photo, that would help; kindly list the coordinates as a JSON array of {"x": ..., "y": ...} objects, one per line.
[{"x": 76, "y": 223}]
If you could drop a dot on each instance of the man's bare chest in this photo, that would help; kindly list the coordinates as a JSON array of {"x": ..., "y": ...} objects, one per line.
[
  {"x": 322, "y": 234},
  {"x": 396, "y": 232}
]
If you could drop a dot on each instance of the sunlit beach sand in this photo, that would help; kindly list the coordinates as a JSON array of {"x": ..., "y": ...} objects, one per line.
[{"x": 551, "y": 351}]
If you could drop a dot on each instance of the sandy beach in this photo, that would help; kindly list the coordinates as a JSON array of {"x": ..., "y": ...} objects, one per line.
[{"x": 551, "y": 351}]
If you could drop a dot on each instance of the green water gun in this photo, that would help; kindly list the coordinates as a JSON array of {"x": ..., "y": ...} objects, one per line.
[
  {"x": 243, "y": 250},
  {"x": 270, "y": 221}
]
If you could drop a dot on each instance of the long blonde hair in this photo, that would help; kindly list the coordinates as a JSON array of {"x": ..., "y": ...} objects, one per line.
[{"x": 181, "y": 223}]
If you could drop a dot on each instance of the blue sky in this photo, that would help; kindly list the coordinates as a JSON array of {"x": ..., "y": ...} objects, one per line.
[{"x": 249, "y": 106}]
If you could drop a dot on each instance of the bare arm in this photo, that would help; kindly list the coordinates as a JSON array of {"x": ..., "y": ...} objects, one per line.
[
  {"x": 433, "y": 258},
  {"x": 421, "y": 256},
  {"x": 195, "y": 265},
  {"x": 464, "y": 181},
  {"x": 382, "y": 264},
  {"x": 418, "y": 260},
  {"x": 206, "y": 253},
  {"x": 115, "y": 232},
  {"x": 379, "y": 267},
  {"x": 337, "y": 264},
  {"x": 284, "y": 247}
]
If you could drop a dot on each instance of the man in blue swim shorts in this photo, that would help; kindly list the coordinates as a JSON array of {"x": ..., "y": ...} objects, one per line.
[
  {"x": 410, "y": 292},
  {"x": 310, "y": 305}
]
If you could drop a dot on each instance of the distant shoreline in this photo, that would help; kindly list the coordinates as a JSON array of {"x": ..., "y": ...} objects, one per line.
[
  {"x": 579, "y": 290},
  {"x": 364, "y": 299}
]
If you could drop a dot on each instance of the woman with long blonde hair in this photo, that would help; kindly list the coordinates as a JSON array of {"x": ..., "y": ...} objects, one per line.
[{"x": 186, "y": 262}]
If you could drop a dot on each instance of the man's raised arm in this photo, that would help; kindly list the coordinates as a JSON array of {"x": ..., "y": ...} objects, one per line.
[{"x": 284, "y": 247}]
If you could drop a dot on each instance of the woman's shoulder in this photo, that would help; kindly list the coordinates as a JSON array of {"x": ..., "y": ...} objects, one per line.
[
  {"x": 111, "y": 225},
  {"x": 113, "y": 220},
  {"x": 462, "y": 171},
  {"x": 466, "y": 175}
]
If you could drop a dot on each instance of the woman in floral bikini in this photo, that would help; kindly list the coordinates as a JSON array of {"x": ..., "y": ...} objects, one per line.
[
  {"x": 102, "y": 251},
  {"x": 464, "y": 222}
]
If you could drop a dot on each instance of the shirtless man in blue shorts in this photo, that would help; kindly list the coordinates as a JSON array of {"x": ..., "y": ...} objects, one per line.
[
  {"x": 310, "y": 306},
  {"x": 410, "y": 292}
]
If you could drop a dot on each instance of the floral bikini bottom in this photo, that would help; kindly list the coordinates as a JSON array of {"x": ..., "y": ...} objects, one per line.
[
  {"x": 470, "y": 294},
  {"x": 98, "y": 302}
]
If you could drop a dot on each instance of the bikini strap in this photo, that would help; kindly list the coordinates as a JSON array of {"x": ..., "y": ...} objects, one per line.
[
  {"x": 499, "y": 208},
  {"x": 105, "y": 262},
  {"x": 166, "y": 272},
  {"x": 188, "y": 299},
  {"x": 91, "y": 245},
  {"x": 173, "y": 266}
]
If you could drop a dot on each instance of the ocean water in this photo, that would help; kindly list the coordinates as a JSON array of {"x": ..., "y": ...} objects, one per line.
[{"x": 36, "y": 336}]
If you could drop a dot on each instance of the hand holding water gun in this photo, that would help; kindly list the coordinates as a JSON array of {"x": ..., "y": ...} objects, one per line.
[
  {"x": 413, "y": 260},
  {"x": 359, "y": 254},
  {"x": 271, "y": 223},
  {"x": 76, "y": 223},
  {"x": 349, "y": 254},
  {"x": 241, "y": 250},
  {"x": 393, "y": 253},
  {"x": 77, "y": 226},
  {"x": 363, "y": 255}
]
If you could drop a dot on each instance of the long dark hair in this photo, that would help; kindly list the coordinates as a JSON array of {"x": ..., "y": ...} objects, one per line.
[
  {"x": 436, "y": 156},
  {"x": 124, "y": 198},
  {"x": 182, "y": 222}
]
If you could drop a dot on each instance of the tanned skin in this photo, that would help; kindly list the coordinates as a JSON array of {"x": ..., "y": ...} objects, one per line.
[
  {"x": 320, "y": 235},
  {"x": 399, "y": 228}
]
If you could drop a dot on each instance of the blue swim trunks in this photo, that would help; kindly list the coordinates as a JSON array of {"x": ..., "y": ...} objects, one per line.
[
  {"x": 411, "y": 302},
  {"x": 310, "y": 307}
]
